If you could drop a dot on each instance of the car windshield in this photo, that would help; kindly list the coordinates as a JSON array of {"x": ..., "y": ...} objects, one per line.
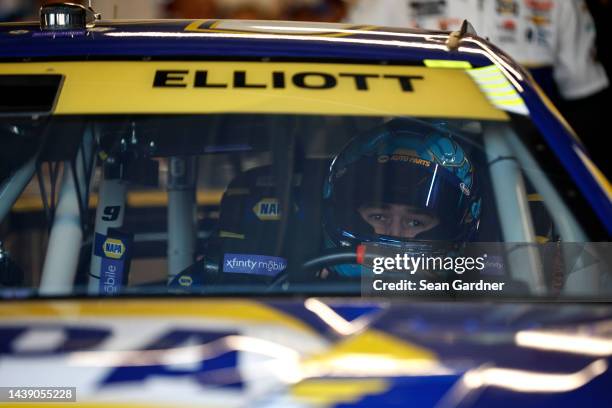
[{"x": 332, "y": 196}]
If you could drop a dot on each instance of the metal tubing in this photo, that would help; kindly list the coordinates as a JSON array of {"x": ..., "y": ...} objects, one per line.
[
  {"x": 181, "y": 214},
  {"x": 12, "y": 188},
  {"x": 513, "y": 209},
  {"x": 64, "y": 241},
  {"x": 66, "y": 236},
  {"x": 109, "y": 214},
  {"x": 584, "y": 277}
]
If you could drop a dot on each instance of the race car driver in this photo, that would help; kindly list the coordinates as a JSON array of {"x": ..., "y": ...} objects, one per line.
[{"x": 408, "y": 184}]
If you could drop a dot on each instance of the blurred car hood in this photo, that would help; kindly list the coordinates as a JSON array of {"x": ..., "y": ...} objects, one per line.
[{"x": 312, "y": 352}]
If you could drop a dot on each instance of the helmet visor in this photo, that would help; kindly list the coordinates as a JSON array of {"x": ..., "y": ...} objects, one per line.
[{"x": 421, "y": 186}]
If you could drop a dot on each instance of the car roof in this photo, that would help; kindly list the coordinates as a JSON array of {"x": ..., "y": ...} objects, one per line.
[{"x": 232, "y": 39}]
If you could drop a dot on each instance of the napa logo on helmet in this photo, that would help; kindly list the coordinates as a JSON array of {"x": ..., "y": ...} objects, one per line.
[
  {"x": 113, "y": 248},
  {"x": 267, "y": 209}
]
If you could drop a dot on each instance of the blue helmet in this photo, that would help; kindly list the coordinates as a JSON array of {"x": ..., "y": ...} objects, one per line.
[{"x": 406, "y": 162}]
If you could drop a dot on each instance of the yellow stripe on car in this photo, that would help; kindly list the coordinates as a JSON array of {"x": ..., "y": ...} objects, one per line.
[
  {"x": 130, "y": 87},
  {"x": 498, "y": 89},
  {"x": 275, "y": 27},
  {"x": 599, "y": 177},
  {"x": 330, "y": 391},
  {"x": 373, "y": 353},
  {"x": 431, "y": 63},
  {"x": 232, "y": 309}
]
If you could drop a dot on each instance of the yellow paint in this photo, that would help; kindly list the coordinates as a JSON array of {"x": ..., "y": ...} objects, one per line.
[
  {"x": 599, "y": 177},
  {"x": 374, "y": 342},
  {"x": 227, "y": 234},
  {"x": 112, "y": 87},
  {"x": 447, "y": 64},
  {"x": 485, "y": 86},
  {"x": 236, "y": 310},
  {"x": 236, "y": 27},
  {"x": 534, "y": 197},
  {"x": 510, "y": 102},
  {"x": 372, "y": 352},
  {"x": 195, "y": 25},
  {"x": 329, "y": 392},
  {"x": 484, "y": 75},
  {"x": 503, "y": 93},
  {"x": 498, "y": 89}
]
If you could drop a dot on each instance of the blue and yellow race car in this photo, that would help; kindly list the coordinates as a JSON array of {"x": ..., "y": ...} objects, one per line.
[{"x": 264, "y": 213}]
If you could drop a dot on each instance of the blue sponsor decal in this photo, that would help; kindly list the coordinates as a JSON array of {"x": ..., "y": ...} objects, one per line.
[
  {"x": 114, "y": 251},
  {"x": 254, "y": 264},
  {"x": 111, "y": 276},
  {"x": 267, "y": 209}
]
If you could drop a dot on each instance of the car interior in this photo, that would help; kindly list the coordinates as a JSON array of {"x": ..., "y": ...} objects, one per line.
[{"x": 256, "y": 187}]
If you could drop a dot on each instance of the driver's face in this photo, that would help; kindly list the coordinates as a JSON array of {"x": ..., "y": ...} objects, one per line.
[{"x": 397, "y": 220}]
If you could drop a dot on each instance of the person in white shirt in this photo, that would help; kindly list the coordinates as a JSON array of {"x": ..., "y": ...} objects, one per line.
[{"x": 555, "y": 39}]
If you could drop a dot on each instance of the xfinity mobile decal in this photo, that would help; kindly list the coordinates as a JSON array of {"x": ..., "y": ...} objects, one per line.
[{"x": 253, "y": 264}]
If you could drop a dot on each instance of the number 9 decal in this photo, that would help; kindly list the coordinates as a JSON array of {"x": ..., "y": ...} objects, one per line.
[{"x": 111, "y": 213}]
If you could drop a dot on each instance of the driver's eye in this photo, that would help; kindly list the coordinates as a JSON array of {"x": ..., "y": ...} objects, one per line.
[
  {"x": 378, "y": 217},
  {"x": 415, "y": 223}
]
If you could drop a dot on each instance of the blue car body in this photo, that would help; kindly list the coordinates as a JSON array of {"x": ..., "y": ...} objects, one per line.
[{"x": 460, "y": 338}]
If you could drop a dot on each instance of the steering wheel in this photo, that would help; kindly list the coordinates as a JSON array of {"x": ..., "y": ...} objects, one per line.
[{"x": 329, "y": 257}]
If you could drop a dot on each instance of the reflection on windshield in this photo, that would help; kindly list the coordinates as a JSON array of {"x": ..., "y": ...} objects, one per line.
[{"x": 297, "y": 204}]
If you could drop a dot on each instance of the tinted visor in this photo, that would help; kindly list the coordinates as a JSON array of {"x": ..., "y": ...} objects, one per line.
[{"x": 404, "y": 180}]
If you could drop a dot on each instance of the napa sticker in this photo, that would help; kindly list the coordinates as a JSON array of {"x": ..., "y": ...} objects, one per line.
[
  {"x": 185, "y": 280},
  {"x": 113, "y": 248},
  {"x": 267, "y": 209},
  {"x": 114, "y": 265}
]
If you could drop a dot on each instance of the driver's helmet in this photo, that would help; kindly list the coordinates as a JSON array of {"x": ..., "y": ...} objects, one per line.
[{"x": 407, "y": 162}]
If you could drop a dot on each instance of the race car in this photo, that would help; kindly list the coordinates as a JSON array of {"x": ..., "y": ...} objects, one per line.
[{"x": 267, "y": 213}]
